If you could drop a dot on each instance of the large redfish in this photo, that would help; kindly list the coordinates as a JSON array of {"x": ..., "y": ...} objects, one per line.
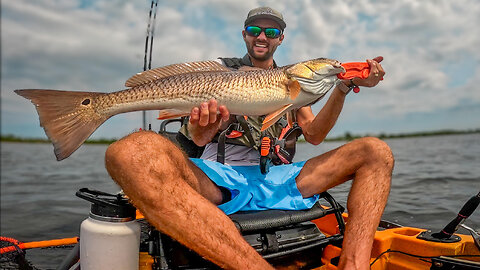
[{"x": 70, "y": 117}]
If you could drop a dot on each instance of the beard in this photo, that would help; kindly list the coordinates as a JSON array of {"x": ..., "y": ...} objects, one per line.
[{"x": 260, "y": 57}]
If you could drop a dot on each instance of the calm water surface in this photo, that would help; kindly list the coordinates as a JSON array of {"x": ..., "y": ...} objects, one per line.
[{"x": 433, "y": 178}]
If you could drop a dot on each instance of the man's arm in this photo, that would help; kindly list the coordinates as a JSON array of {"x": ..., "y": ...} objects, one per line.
[
  {"x": 204, "y": 121},
  {"x": 316, "y": 128}
]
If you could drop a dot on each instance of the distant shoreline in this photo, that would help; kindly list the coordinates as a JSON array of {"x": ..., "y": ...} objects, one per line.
[
  {"x": 12, "y": 138},
  {"x": 346, "y": 137}
]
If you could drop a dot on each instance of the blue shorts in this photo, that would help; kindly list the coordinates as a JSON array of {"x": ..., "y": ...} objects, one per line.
[{"x": 252, "y": 190}]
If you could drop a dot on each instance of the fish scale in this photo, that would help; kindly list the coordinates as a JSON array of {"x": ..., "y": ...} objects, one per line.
[
  {"x": 195, "y": 87},
  {"x": 70, "y": 117}
]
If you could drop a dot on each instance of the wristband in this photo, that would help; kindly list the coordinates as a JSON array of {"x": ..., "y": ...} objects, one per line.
[
  {"x": 346, "y": 89},
  {"x": 353, "y": 86}
]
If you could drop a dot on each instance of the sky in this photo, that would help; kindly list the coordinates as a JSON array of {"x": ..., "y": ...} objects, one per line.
[{"x": 430, "y": 49}]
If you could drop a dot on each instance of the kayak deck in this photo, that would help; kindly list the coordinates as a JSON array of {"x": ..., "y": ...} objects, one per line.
[{"x": 399, "y": 248}]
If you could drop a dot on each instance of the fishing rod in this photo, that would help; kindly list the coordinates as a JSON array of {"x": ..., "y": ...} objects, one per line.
[
  {"x": 446, "y": 235},
  {"x": 148, "y": 49},
  {"x": 150, "y": 34}
]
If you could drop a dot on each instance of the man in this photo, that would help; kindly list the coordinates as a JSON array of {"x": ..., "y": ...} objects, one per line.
[{"x": 179, "y": 196}]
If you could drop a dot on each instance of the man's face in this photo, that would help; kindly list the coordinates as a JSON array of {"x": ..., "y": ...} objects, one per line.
[{"x": 261, "y": 47}]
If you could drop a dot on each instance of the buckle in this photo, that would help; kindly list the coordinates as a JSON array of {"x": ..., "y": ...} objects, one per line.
[
  {"x": 234, "y": 134},
  {"x": 235, "y": 130}
]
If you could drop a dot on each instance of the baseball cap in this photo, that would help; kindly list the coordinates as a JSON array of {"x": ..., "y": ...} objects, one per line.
[{"x": 265, "y": 13}]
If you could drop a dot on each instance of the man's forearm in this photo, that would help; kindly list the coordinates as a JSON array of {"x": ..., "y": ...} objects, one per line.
[
  {"x": 316, "y": 128},
  {"x": 316, "y": 131}
]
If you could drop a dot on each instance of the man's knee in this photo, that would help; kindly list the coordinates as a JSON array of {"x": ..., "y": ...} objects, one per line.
[
  {"x": 118, "y": 153},
  {"x": 136, "y": 147},
  {"x": 377, "y": 150}
]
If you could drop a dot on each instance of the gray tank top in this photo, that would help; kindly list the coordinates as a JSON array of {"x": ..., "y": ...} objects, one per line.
[{"x": 235, "y": 155}]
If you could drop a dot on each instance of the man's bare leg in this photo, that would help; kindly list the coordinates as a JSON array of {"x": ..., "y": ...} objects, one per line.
[
  {"x": 178, "y": 199},
  {"x": 369, "y": 162}
]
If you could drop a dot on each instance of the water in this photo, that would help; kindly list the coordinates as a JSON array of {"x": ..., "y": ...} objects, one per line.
[{"x": 433, "y": 178}]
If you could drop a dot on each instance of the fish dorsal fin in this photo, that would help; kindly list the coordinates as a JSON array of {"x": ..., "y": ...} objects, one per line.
[
  {"x": 175, "y": 69},
  {"x": 294, "y": 88},
  {"x": 249, "y": 68},
  {"x": 274, "y": 116}
]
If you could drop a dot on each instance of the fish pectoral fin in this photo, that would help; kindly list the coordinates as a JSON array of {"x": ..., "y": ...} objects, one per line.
[
  {"x": 171, "y": 113},
  {"x": 291, "y": 118},
  {"x": 294, "y": 88},
  {"x": 172, "y": 70},
  {"x": 274, "y": 116}
]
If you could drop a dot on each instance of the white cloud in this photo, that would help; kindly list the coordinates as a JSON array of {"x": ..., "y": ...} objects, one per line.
[
  {"x": 423, "y": 43},
  {"x": 430, "y": 47}
]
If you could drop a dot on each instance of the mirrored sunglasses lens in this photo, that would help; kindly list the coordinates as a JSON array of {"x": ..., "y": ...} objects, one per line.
[
  {"x": 253, "y": 30},
  {"x": 272, "y": 32}
]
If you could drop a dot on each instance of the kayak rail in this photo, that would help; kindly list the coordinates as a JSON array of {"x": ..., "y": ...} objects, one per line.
[{"x": 36, "y": 244}]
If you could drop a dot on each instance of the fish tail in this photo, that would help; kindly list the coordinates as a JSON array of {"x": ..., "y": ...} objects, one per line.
[{"x": 68, "y": 117}]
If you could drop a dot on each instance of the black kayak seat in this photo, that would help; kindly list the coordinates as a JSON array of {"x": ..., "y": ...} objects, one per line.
[
  {"x": 282, "y": 233},
  {"x": 270, "y": 219}
]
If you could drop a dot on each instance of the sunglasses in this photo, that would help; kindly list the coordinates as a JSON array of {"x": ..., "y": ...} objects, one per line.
[{"x": 255, "y": 31}]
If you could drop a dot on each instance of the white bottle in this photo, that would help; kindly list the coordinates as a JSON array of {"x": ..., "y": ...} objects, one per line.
[{"x": 109, "y": 237}]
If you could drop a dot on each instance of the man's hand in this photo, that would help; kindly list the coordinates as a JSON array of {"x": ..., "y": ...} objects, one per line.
[
  {"x": 206, "y": 120},
  {"x": 376, "y": 73}
]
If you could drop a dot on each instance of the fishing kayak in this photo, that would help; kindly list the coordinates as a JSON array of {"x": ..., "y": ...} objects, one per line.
[{"x": 307, "y": 239}]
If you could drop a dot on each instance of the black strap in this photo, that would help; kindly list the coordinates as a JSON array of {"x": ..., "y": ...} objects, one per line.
[
  {"x": 246, "y": 129},
  {"x": 289, "y": 142},
  {"x": 222, "y": 137},
  {"x": 221, "y": 143},
  {"x": 221, "y": 147}
]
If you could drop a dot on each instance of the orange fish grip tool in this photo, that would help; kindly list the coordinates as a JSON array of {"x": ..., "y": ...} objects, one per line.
[{"x": 354, "y": 69}]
